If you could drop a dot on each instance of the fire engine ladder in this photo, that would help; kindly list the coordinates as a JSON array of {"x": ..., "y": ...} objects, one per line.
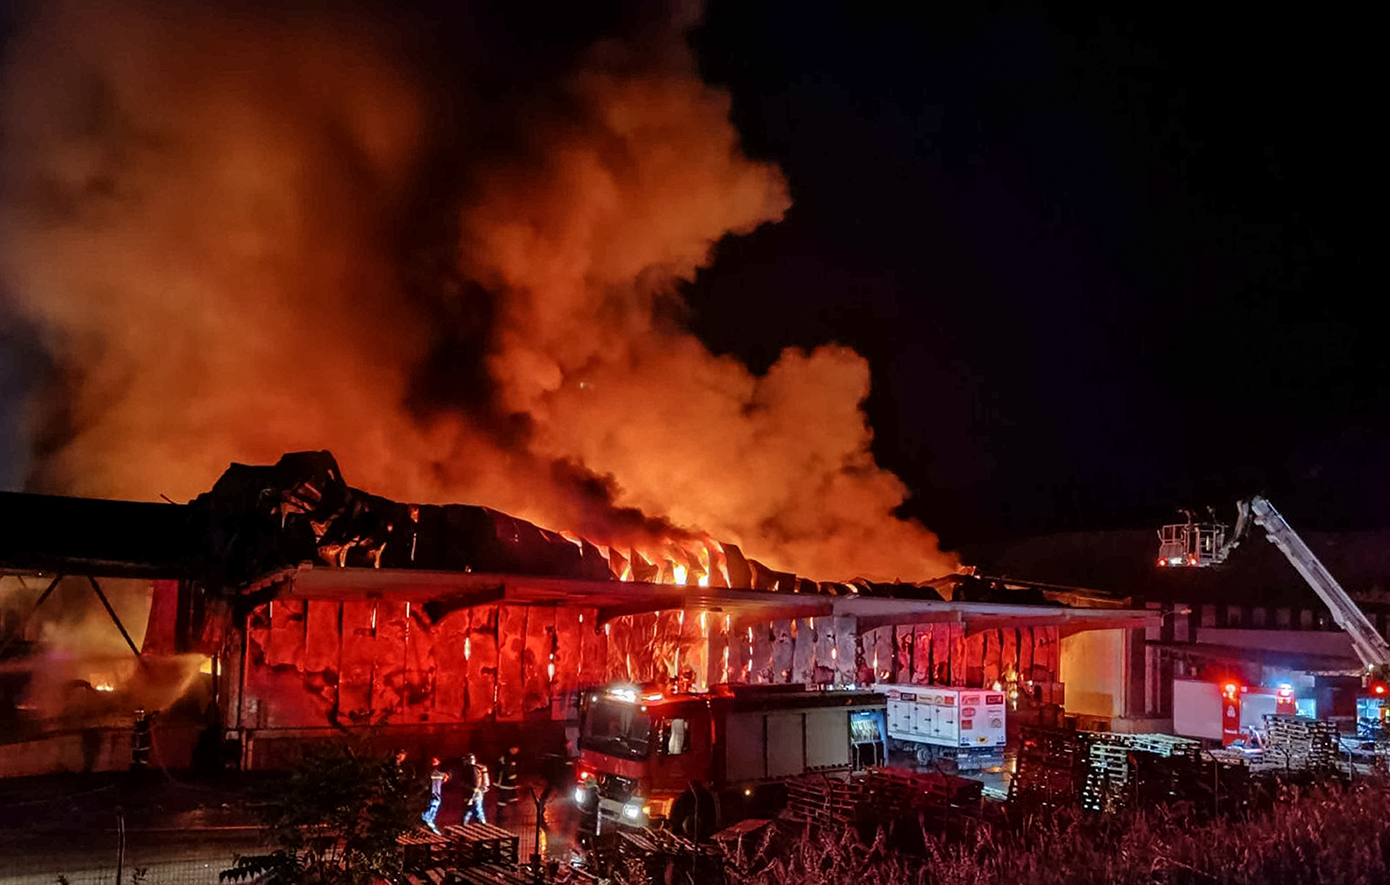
[{"x": 1370, "y": 646}]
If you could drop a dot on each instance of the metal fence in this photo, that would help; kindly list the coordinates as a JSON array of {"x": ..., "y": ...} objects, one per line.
[{"x": 146, "y": 858}]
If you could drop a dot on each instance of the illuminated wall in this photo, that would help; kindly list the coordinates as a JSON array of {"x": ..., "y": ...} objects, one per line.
[{"x": 1093, "y": 668}]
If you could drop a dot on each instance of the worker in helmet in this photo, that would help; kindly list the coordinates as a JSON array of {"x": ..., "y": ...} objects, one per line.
[
  {"x": 476, "y": 783},
  {"x": 506, "y": 782},
  {"x": 438, "y": 777}
]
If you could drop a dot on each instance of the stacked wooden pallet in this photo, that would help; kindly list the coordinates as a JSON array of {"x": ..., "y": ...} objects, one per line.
[
  {"x": 474, "y": 844},
  {"x": 896, "y": 789},
  {"x": 1051, "y": 767},
  {"x": 823, "y": 800},
  {"x": 1298, "y": 743},
  {"x": 1107, "y": 776},
  {"x": 878, "y": 795},
  {"x": 422, "y": 849}
]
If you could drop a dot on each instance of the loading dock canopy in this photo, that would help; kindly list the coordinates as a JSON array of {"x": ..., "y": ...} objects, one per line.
[{"x": 446, "y": 591}]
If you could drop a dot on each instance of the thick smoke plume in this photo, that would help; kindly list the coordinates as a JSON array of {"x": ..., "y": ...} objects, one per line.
[{"x": 240, "y": 233}]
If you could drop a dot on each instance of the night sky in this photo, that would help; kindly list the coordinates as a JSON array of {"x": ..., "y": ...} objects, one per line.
[{"x": 1103, "y": 268}]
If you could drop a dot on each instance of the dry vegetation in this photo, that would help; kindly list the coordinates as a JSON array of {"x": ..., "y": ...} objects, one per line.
[{"x": 1315, "y": 837}]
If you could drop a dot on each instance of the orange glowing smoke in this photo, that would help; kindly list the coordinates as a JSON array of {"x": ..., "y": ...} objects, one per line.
[{"x": 242, "y": 234}]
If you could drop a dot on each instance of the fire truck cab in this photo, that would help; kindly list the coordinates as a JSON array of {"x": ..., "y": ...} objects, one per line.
[{"x": 645, "y": 754}]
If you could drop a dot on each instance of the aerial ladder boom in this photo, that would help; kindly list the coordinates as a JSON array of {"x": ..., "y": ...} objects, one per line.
[
  {"x": 1206, "y": 544},
  {"x": 1370, "y": 646}
]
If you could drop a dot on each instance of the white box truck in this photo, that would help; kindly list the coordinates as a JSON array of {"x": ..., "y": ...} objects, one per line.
[{"x": 964, "y": 726}]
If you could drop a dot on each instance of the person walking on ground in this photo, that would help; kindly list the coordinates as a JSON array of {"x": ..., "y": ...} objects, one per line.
[
  {"x": 506, "y": 783},
  {"x": 437, "y": 780},
  {"x": 556, "y": 768},
  {"x": 475, "y": 786}
]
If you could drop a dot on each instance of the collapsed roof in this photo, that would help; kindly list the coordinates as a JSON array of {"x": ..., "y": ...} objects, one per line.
[{"x": 257, "y": 520}]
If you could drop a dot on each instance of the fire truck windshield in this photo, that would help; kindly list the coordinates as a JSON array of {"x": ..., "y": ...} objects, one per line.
[{"x": 616, "y": 728}]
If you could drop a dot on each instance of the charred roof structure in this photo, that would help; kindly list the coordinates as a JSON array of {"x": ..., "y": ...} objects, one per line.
[{"x": 323, "y": 608}]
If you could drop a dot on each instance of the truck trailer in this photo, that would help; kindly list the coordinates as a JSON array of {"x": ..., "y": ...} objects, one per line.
[
  {"x": 698, "y": 761},
  {"x": 963, "y": 727}
]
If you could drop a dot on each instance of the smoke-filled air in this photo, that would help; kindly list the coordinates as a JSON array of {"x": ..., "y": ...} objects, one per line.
[{"x": 241, "y": 231}]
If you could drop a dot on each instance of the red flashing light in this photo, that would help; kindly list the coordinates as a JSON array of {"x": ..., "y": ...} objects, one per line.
[
  {"x": 1162, "y": 561},
  {"x": 1379, "y": 688},
  {"x": 1191, "y": 560},
  {"x": 1231, "y": 689}
]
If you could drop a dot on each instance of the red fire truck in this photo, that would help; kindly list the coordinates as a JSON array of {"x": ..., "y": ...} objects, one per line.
[{"x": 707, "y": 760}]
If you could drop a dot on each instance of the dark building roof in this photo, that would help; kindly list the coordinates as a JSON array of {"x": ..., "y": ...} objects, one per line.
[
  {"x": 1123, "y": 563},
  {"x": 258, "y": 520},
  {"x": 51, "y": 534}
]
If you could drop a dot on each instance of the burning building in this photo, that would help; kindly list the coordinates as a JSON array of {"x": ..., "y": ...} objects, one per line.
[{"x": 319, "y": 610}]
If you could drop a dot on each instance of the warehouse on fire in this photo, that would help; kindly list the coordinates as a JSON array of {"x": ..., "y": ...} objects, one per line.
[{"x": 323, "y": 609}]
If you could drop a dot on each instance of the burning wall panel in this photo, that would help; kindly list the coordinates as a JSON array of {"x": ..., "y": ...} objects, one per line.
[
  {"x": 1009, "y": 654},
  {"x": 535, "y": 669},
  {"x": 694, "y": 648},
  {"x": 741, "y": 654},
  {"x": 420, "y": 666},
  {"x": 824, "y": 652},
  {"x": 359, "y": 662},
  {"x": 452, "y": 637},
  {"x": 846, "y": 651},
  {"x": 719, "y": 665},
  {"x": 974, "y": 659},
  {"x": 760, "y": 666},
  {"x": 782, "y": 650},
  {"x": 321, "y": 638},
  {"x": 483, "y": 660},
  {"x": 959, "y": 673},
  {"x": 993, "y": 657},
  {"x": 1025, "y": 653},
  {"x": 921, "y": 654},
  {"x": 663, "y": 641},
  {"x": 388, "y": 674},
  {"x": 511, "y": 647},
  {"x": 803, "y": 650},
  {"x": 619, "y": 661},
  {"x": 568, "y": 650},
  {"x": 906, "y": 652},
  {"x": 593, "y": 668},
  {"x": 1046, "y": 652},
  {"x": 941, "y": 654},
  {"x": 884, "y": 650},
  {"x": 285, "y": 642}
]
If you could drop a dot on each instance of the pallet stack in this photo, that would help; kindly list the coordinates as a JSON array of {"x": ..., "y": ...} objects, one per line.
[
  {"x": 1051, "y": 769},
  {"x": 823, "y": 800},
  {"x": 1297, "y": 743},
  {"x": 1147, "y": 769},
  {"x": 879, "y": 795},
  {"x": 1107, "y": 776},
  {"x": 919, "y": 789}
]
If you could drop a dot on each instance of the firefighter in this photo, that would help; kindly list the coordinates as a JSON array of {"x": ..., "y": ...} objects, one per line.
[
  {"x": 558, "y": 775},
  {"x": 438, "y": 777},
  {"x": 400, "y": 772},
  {"x": 506, "y": 782},
  {"x": 141, "y": 741},
  {"x": 476, "y": 783}
]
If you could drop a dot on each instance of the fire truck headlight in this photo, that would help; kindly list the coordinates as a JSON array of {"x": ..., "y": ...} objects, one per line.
[
  {"x": 581, "y": 795},
  {"x": 633, "y": 810}
]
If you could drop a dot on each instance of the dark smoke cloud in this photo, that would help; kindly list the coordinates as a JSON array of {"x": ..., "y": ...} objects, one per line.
[{"x": 441, "y": 244}]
